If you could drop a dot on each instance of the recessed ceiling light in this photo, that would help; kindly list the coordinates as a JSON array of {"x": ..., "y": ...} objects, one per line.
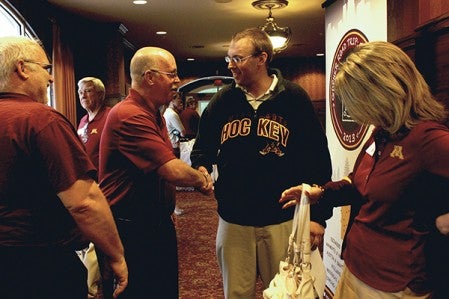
[
  {"x": 161, "y": 32},
  {"x": 320, "y": 54},
  {"x": 190, "y": 59},
  {"x": 139, "y": 2}
]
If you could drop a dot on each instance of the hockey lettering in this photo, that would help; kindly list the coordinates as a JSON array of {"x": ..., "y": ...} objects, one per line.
[
  {"x": 266, "y": 128},
  {"x": 238, "y": 127},
  {"x": 273, "y": 130}
]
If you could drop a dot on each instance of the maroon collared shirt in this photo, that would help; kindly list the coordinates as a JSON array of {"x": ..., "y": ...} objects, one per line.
[
  {"x": 40, "y": 156},
  {"x": 385, "y": 245},
  {"x": 133, "y": 146},
  {"x": 90, "y": 133}
]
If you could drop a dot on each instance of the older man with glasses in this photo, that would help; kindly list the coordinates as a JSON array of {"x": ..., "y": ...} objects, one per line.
[
  {"x": 137, "y": 167},
  {"x": 48, "y": 195},
  {"x": 263, "y": 134}
]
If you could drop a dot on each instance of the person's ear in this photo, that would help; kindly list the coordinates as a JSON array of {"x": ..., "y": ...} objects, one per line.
[
  {"x": 21, "y": 70},
  {"x": 263, "y": 56},
  {"x": 148, "y": 76}
]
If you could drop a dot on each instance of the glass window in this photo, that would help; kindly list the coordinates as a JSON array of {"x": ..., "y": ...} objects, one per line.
[
  {"x": 9, "y": 25},
  {"x": 12, "y": 23}
]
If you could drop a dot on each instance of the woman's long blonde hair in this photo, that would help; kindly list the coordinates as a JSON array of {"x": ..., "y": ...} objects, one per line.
[{"x": 380, "y": 85}]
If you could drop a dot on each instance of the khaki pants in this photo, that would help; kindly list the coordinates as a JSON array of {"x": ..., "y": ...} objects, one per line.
[
  {"x": 350, "y": 287},
  {"x": 245, "y": 251},
  {"x": 89, "y": 259}
]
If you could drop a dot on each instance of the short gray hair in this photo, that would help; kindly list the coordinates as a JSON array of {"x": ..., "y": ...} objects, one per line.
[
  {"x": 98, "y": 84},
  {"x": 13, "y": 49}
]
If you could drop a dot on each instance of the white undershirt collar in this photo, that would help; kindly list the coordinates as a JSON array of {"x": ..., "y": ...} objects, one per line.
[{"x": 255, "y": 102}]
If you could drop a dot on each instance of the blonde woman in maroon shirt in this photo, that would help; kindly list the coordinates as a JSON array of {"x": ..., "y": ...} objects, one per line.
[{"x": 400, "y": 180}]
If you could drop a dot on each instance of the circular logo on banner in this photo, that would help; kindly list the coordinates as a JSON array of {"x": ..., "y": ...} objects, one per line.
[{"x": 349, "y": 133}]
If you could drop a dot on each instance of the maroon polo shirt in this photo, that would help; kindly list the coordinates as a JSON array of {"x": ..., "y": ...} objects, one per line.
[
  {"x": 41, "y": 155},
  {"x": 190, "y": 120},
  {"x": 385, "y": 245},
  {"x": 133, "y": 146},
  {"x": 93, "y": 133}
]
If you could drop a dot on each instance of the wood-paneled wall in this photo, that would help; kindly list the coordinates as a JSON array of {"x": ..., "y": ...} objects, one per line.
[
  {"x": 421, "y": 29},
  {"x": 310, "y": 74}
]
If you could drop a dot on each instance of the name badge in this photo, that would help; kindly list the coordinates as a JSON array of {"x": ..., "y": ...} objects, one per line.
[{"x": 371, "y": 149}]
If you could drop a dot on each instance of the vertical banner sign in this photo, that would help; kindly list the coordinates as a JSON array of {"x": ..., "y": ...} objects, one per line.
[
  {"x": 349, "y": 133},
  {"x": 348, "y": 23}
]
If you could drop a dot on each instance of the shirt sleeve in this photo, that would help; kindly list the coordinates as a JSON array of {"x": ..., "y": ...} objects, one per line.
[
  {"x": 205, "y": 148},
  {"x": 435, "y": 150},
  {"x": 145, "y": 144},
  {"x": 63, "y": 154},
  {"x": 177, "y": 123},
  {"x": 173, "y": 121}
]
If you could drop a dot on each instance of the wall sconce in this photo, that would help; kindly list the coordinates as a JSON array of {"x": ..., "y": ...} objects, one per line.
[{"x": 279, "y": 36}]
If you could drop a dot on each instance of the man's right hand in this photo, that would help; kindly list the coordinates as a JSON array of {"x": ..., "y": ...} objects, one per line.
[
  {"x": 208, "y": 187},
  {"x": 120, "y": 270},
  {"x": 442, "y": 224}
]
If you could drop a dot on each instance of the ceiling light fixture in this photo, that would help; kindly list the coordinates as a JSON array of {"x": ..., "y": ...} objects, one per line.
[
  {"x": 140, "y": 2},
  {"x": 280, "y": 36}
]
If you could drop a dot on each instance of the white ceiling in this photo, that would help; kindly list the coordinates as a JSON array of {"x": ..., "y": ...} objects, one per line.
[{"x": 202, "y": 29}]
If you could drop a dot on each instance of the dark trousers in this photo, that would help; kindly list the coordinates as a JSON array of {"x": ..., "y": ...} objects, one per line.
[
  {"x": 152, "y": 257},
  {"x": 41, "y": 273},
  {"x": 438, "y": 260}
]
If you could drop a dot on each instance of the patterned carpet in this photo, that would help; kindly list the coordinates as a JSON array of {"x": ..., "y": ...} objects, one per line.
[{"x": 199, "y": 275}]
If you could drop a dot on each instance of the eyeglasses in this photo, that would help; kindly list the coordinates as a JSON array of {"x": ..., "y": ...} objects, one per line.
[
  {"x": 171, "y": 75},
  {"x": 237, "y": 59},
  {"x": 88, "y": 90},
  {"x": 45, "y": 66}
]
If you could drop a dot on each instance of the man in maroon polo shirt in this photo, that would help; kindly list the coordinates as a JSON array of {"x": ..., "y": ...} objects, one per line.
[
  {"x": 190, "y": 117},
  {"x": 136, "y": 163},
  {"x": 47, "y": 190}
]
